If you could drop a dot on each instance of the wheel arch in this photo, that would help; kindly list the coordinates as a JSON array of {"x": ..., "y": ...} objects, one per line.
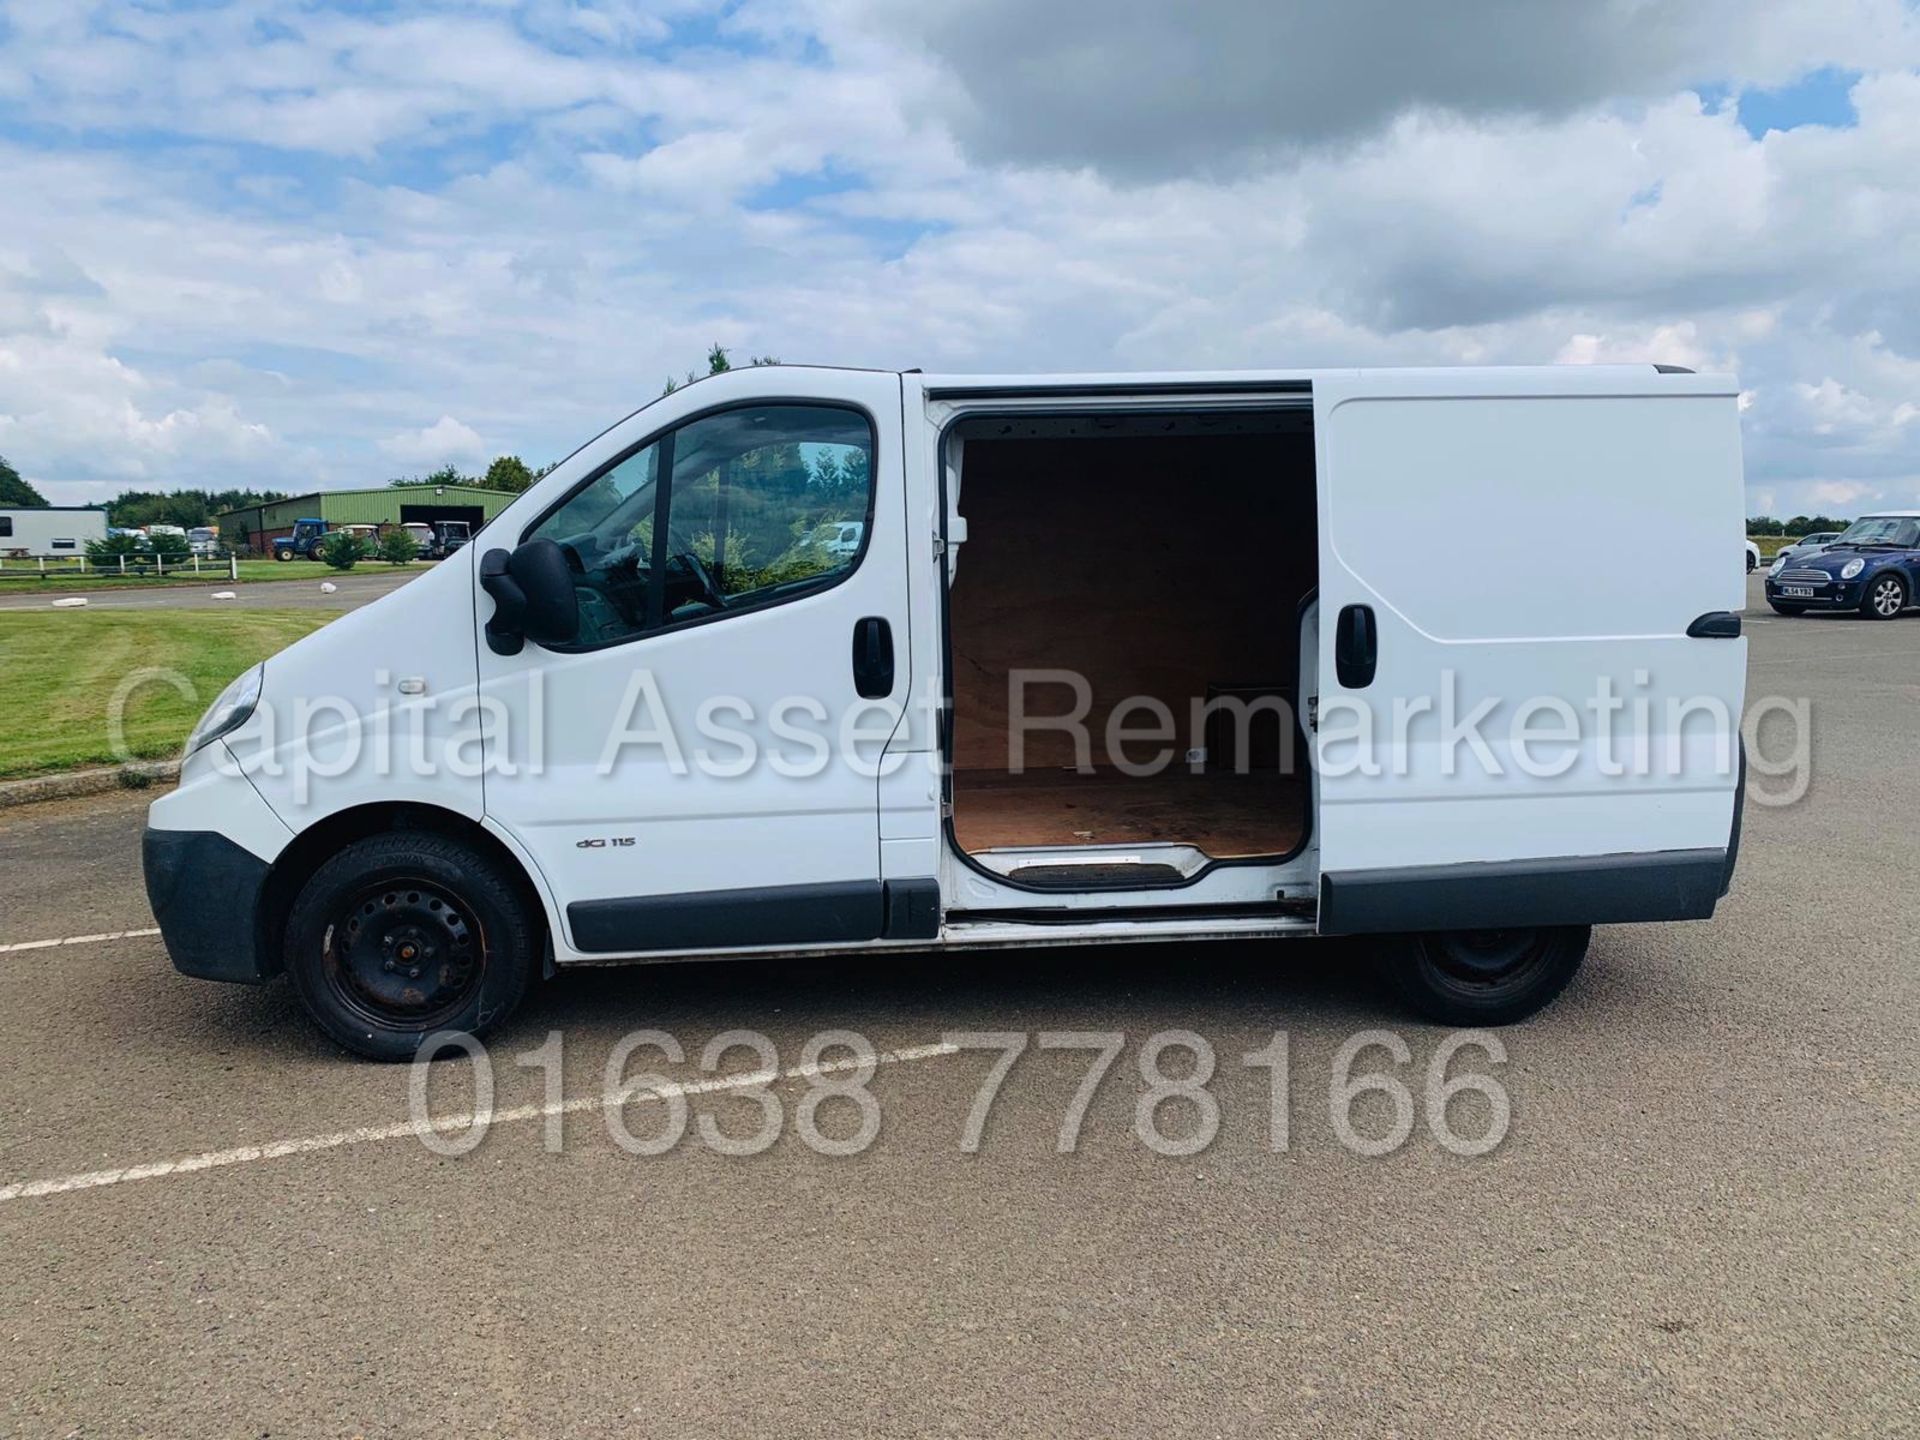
[
  {"x": 324, "y": 839},
  {"x": 1871, "y": 583}
]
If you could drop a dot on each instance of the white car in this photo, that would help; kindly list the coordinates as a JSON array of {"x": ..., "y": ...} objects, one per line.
[
  {"x": 1805, "y": 548},
  {"x": 1753, "y": 557},
  {"x": 846, "y": 538},
  {"x": 613, "y": 730}
]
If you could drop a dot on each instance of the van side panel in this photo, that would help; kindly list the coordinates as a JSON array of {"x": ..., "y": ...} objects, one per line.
[
  {"x": 1541, "y": 734},
  {"x": 334, "y": 729}
]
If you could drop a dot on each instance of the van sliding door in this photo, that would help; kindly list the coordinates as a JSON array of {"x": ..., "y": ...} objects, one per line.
[{"x": 1515, "y": 726}]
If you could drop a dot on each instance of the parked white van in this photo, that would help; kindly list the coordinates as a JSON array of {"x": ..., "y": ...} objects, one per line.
[{"x": 1116, "y": 657}]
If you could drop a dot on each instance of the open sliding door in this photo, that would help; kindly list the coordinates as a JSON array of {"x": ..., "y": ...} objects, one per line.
[{"x": 1515, "y": 725}]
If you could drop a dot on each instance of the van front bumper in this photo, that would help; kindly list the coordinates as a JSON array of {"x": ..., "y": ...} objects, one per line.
[{"x": 205, "y": 892}]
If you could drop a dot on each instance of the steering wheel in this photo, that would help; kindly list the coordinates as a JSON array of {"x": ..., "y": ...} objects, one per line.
[{"x": 704, "y": 578}]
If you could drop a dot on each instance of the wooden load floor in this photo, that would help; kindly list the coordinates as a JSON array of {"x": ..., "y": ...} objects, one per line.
[{"x": 1226, "y": 816}]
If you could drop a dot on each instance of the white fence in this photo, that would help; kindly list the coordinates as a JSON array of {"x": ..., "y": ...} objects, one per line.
[{"x": 229, "y": 566}]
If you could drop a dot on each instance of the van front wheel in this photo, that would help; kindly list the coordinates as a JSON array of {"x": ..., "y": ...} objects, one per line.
[
  {"x": 1488, "y": 977},
  {"x": 406, "y": 933}
]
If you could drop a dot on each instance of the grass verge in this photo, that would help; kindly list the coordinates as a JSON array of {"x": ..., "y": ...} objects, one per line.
[
  {"x": 19, "y": 575},
  {"x": 64, "y": 669}
]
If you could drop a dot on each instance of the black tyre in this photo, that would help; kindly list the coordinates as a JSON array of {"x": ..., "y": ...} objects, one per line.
[
  {"x": 406, "y": 933},
  {"x": 1752, "y": 564},
  {"x": 1781, "y": 608},
  {"x": 283, "y": 554},
  {"x": 1488, "y": 977},
  {"x": 1886, "y": 596}
]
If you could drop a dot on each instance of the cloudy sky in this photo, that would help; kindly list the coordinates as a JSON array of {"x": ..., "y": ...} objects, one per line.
[{"x": 288, "y": 245}]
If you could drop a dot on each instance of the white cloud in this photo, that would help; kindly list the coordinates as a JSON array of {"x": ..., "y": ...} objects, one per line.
[
  {"x": 531, "y": 216},
  {"x": 1657, "y": 345},
  {"x": 1841, "y": 493},
  {"x": 446, "y": 439},
  {"x": 105, "y": 421}
]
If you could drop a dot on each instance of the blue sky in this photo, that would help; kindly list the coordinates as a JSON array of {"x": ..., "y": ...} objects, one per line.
[
  {"x": 1823, "y": 97},
  {"x": 295, "y": 245}
]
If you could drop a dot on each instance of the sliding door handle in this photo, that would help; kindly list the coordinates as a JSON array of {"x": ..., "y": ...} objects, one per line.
[
  {"x": 1356, "y": 647},
  {"x": 873, "y": 658}
]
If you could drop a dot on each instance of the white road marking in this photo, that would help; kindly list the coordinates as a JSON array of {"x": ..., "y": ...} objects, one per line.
[
  {"x": 406, "y": 1129},
  {"x": 77, "y": 940}
]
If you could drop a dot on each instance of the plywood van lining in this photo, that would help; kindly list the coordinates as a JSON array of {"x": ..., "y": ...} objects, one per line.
[{"x": 1165, "y": 567}]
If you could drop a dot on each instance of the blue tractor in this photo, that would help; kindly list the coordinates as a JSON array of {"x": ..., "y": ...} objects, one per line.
[{"x": 305, "y": 540}]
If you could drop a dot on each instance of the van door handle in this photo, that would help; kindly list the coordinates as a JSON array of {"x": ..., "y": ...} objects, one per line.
[
  {"x": 1356, "y": 647},
  {"x": 873, "y": 658}
]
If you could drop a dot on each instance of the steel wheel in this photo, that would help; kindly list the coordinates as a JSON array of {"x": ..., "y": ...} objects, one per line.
[
  {"x": 404, "y": 952},
  {"x": 1487, "y": 977},
  {"x": 1489, "y": 962}
]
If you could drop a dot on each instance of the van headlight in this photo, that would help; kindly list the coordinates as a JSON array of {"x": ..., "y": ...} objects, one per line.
[
  {"x": 229, "y": 711},
  {"x": 1852, "y": 568}
]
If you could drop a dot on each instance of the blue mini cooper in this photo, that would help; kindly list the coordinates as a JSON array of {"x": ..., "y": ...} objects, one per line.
[{"x": 1874, "y": 567}]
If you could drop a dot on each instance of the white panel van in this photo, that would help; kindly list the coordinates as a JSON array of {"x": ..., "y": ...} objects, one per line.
[{"x": 799, "y": 661}]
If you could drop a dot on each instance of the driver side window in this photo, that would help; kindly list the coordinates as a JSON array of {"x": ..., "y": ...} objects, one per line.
[
  {"x": 605, "y": 529},
  {"x": 761, "y": 504}
]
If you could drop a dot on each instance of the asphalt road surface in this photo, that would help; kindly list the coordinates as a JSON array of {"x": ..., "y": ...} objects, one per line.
[
  {"x": 351, "y": 590},
  {"x": 1701, "y": 1220}
]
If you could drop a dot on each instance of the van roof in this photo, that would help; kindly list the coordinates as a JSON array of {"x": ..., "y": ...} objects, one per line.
[
  {"x": 1538, "y": 379},
  {"x": 1521, "y": 379}
]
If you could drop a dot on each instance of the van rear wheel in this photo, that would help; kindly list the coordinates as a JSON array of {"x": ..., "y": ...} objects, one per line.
[
  {"x": 406, "y": 933},
  {"x": 1488, "y": 977}
]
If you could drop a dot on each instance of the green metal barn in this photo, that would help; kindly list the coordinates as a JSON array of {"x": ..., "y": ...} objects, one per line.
[{"x": 257, "y": 525}]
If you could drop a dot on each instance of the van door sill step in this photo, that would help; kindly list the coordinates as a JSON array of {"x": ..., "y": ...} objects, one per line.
[{"x": 1095, "y": 877}]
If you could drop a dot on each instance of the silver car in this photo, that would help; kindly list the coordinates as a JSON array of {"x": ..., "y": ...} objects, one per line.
[{"x": 1807, "y": 546}]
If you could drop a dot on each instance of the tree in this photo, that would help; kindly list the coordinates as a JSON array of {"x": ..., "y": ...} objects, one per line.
[
  {"x": 15, "y": 493},
  {"x": 446, "y": 475},
  {"x": 342, "y": 549},
  {"x": 718, "y": 363},
  {"x": 107, "y": 552},
  {"x": 397, "y": 547},
  {"x": 173, "y": 549},
  {"x": 185, "y": 508},
  {"x": 508, "y": 472}
]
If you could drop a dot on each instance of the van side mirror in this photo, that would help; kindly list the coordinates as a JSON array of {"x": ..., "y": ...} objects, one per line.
[{"x": 533, "y": 597}]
